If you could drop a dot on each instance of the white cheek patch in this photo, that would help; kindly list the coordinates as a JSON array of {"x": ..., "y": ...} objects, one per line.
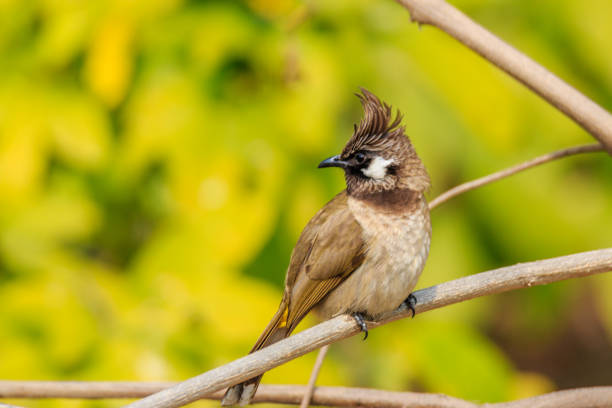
[{"x": 377, "y": 168}]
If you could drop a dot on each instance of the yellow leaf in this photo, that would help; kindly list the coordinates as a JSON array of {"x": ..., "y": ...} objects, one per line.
[
  {"x": 109, "y": 62},
  {"x": 23, "y": 142}
]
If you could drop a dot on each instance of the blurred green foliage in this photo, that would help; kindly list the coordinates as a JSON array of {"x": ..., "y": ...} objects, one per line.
[{"x": 158, "y": 162}]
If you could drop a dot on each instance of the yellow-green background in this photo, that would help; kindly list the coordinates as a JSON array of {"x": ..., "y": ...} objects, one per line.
[{"x": 158, "y": 162}]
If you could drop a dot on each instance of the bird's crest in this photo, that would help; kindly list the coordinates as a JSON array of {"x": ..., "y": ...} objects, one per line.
[{"x": 377, "y": 129}]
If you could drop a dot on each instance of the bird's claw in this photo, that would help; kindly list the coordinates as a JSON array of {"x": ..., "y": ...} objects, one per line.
[
  {"x": 361, "y": 323},
  {"x": 410, "y": 303}
]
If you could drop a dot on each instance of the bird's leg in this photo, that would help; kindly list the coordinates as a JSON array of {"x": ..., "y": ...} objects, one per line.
[
  {"x": 410, "y": 303},
  {"x": 361, "y": 323}
]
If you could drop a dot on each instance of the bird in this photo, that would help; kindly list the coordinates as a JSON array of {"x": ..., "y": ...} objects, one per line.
[{"x": 363, "y": 252}]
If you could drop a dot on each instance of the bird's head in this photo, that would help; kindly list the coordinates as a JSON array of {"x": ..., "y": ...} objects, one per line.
[{"x": 379, "y": 156}]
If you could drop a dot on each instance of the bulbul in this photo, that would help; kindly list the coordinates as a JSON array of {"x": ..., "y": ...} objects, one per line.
[{"x": 364, "y": 251}]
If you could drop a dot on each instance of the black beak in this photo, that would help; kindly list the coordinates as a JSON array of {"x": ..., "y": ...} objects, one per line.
[{"x": 333, "y": 161}]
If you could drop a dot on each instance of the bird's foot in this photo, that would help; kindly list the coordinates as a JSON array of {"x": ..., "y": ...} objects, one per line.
[
  {"x": 361, "y": 323},
  {"x": 410, "y": 303}
]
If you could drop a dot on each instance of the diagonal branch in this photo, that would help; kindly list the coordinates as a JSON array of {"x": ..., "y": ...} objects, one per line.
[
  {"x": 471, "y": 185},
  {"x": 485, "y": 283},
  {"x": 592, "y": 117}
]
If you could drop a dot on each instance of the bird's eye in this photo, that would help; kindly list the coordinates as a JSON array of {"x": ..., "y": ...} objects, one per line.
[{"x": 360, "y": 157}]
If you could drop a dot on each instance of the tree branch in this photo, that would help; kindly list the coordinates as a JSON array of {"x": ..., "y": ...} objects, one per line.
[
  {"x": 479, "y": 182},
  {"x": 293, "y": 394},
  {"x": 313, "y": 377},
  {"x": 485, "y": 283},
  {"x": 592, "y": 117}
]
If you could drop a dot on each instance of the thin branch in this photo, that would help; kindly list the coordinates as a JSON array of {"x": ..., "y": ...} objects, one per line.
[
  {"x": 80, "y": 389},
  {"x": 333, "y": 330},
  {"x": 471, "y": 185},
  {"x": 592, "y": 117},
  {"x": 293, "y": 394},
  {"x": 313, "y": 377}
]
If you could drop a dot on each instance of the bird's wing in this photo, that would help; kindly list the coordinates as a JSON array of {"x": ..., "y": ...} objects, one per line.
[{"x": 330, "y": 248}]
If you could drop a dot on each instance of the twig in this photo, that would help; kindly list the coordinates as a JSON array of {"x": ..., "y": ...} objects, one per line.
[
  {"x": 471, "y": 185},
  {"x": 485, "y": 283},
  {"x": 80, "y": 389},
  {"x": 293, "y": 394},
  {"x": 313, "y": 377},
  {"x": 592, "y": 117}
]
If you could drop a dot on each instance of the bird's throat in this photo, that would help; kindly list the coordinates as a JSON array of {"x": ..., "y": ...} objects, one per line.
[{"x": 391, "y": 201}]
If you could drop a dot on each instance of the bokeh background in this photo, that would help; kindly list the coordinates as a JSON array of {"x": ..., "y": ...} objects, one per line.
[{"x": 158, "y": 162}]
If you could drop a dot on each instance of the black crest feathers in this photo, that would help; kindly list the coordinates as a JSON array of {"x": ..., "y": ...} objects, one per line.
[{"x": 376, "y": 128}]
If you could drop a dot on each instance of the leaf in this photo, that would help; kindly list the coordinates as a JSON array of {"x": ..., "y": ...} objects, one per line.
[{"x": 108, "y": 67}]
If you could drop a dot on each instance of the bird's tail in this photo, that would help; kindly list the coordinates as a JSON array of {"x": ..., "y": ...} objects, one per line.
[{"x": 277, "y": 329}]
